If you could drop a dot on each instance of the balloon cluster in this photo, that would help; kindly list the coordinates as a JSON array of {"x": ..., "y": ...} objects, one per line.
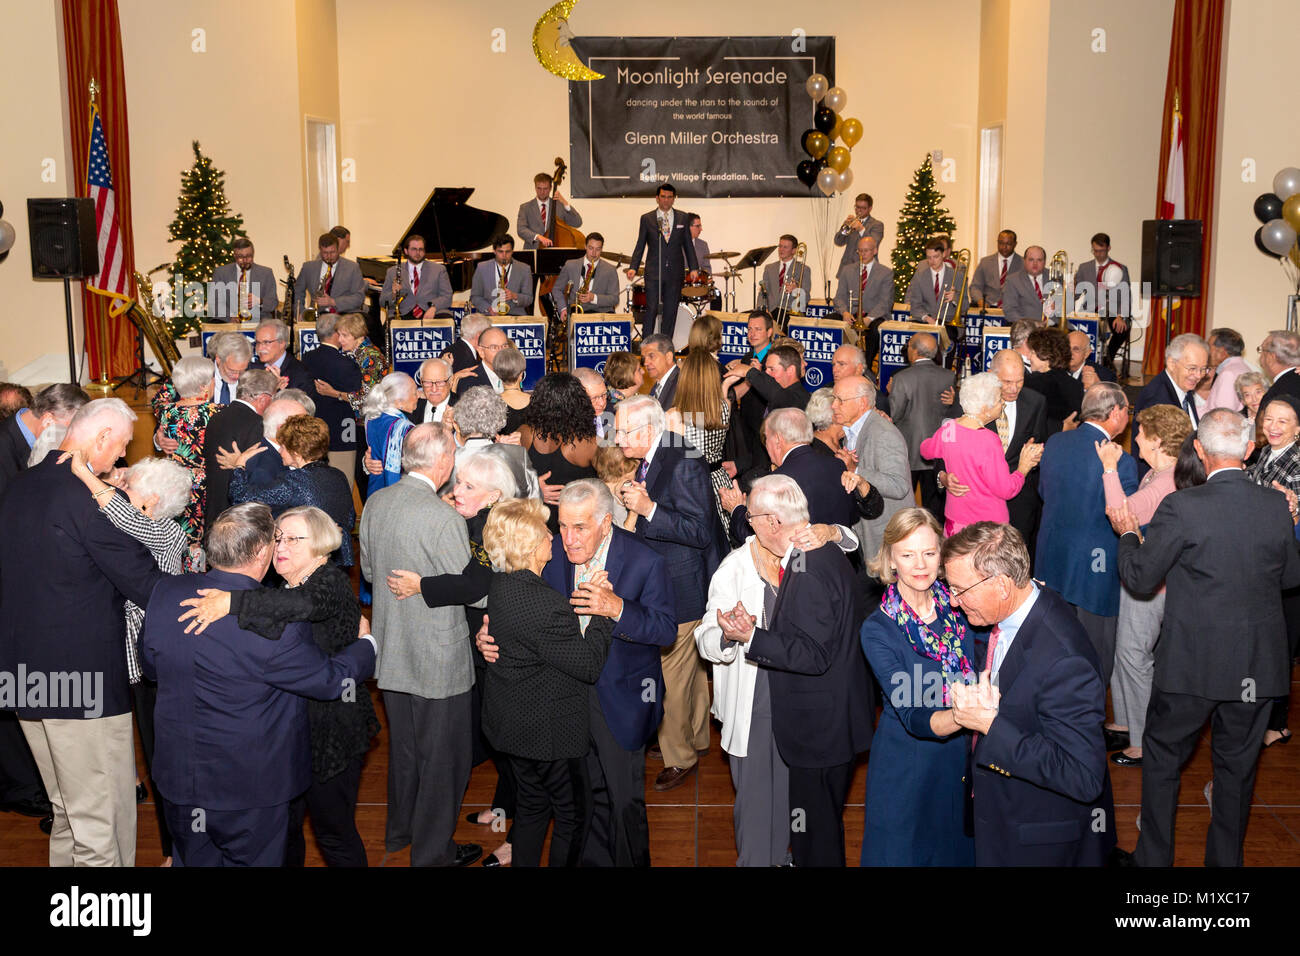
[
  {"x": 1279, "y": 211},
  {"x": 828, "y": 169}
]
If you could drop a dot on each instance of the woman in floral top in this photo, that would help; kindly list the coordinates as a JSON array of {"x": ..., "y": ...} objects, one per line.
[
  {"x": 186, "y": 421},
  {"x": 353, "y": 342}
]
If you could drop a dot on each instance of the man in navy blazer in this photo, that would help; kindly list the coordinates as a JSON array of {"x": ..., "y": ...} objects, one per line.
[
  {"x": 1076, "y": 544},
  {"x": 271, "y": 348},
  {"x": 1041, "y": 790},
  {"x": 233, "y": 746},
  {"x": 1081, "y": 359},
  {"x": 327, "y": 363},
  {"x": 673, "y": 499}
]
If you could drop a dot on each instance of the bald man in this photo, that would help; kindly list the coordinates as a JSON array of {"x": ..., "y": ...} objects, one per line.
[
  {"x": 1081, "y": 365},
  {"x": 918, "y": 406}
]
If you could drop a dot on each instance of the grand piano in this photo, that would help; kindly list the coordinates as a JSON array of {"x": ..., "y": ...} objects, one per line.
[{"x": 455, "y": 234}]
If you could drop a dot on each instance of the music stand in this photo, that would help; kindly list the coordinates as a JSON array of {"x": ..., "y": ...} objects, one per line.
[{"x": 752, "y": 260}]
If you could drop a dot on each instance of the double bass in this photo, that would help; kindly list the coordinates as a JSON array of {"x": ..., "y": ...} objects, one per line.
[{"x": 563, "y": 236}]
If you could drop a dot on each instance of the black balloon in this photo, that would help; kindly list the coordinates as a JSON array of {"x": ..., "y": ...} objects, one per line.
[
  {"x": 803, "y": 141},
  {"x": 824, "y": 119},
  {"x": 1267, "y": 208},
  {"x": 1259, "y": 233},
  {"x": 807, "y": 173}
]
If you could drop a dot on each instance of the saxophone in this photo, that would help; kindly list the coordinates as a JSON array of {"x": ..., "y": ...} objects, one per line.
[
  {"x": 582, "y": 290},
  {"x": 503, "y": 304}
]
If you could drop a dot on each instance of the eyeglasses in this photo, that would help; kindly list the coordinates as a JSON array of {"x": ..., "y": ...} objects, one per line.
[
  {"x": 771, "y": 517},
  {"x": 290, "y": 540},
  {"x": 1198, "y": 369},
  {"x": 493, "y": 348},
  {"x": 836, "y": 400},
  {"x": 265, "y": 341},
  {"x": 434, "y": 382},
  {"x": 956, "y": 594}
]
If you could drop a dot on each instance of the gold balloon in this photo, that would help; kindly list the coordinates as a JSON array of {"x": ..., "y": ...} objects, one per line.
[
  {"x": 818, "y": 143},
  {"x": 837, "y": 130},
  {"x": 851, "y": 132},
  {"x": 1294, "y": 255},
  {"x": 838, "y": 158},
  {"x": 1291, "y": 212}
]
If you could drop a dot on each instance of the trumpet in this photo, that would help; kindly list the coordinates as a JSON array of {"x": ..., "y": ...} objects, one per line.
[
  {"x": 792, "y": 298},
  {"x": 851, "y": 224}
]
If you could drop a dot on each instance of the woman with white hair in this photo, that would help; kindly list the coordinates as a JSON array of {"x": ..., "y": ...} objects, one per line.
[
  {"x": 156, "y": 493},
  {"x": 385, "y": 411},
  {"x": 827, "y": 435},
  {"x": 478, "y": 420},
  {"x": 977, "y": 455},
  {"x": 482, "y": 480},
  {"x": 185, "y": 421}
]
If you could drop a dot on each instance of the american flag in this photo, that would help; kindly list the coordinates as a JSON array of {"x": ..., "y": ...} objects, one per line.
[{"x": 113, "y": 279}]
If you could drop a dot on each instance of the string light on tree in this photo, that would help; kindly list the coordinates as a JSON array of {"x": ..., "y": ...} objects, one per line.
[
  {"x": 921, "y": 218},
  {"x": 205, "y": 226}
]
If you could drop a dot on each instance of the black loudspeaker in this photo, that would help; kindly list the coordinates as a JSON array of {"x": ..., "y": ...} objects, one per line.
[
  {"x": 63, "y": 238},
  {"x": 1171, "y": 256}
]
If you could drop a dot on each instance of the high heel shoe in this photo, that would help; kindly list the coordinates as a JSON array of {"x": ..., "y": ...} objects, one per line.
[{"x": 1284, "y": 739}]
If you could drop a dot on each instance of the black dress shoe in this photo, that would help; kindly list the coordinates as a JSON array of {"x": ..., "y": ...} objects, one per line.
[
  {"x": 47, "y": 823},
  {"x": 491, "y": 860},
  {"x": 141, "y": 792},
  {"x": 28, "y": 808},
  {"x": 467, "y": 853},
  {"x": 1121, "y": 759},
  {"x": 1115, "y": 739},
  {"x": 1120, "y": 858}
]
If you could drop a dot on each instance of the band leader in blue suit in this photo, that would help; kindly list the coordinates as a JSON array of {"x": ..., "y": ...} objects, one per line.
[
  {"x": 917, "y": 644},
  {"x": 233, "y": 740}
]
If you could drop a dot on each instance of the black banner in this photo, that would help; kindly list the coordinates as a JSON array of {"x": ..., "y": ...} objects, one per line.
[{"x": 716, "y": 116}]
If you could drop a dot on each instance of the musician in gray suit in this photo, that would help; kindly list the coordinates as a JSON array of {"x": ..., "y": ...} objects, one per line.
[
  {"x": 1027, "y": 294},
  {"x": 786, "y": 276},
  {"x": 866, "y": 288},
  {"x": 857, "y": 227},
  {"x": 1109, "y": 290},
  {"x": 876, "y": 450},
  {"x": 341, "y": 288},
  {"x": 242, "y": 290},
  {"x": 701, "y": 247},
  {"x": 502, "y": 279},
  {"x": 425, "y": 286},
  {"x": 425, "y": 667},
  {"x": 991, "y": 274},
  {"x": 917, "y": 405},
  {"x": 932, "y": 284},
  {"x": 537, "y": 217},
  {"x": 602, "y": 285}
]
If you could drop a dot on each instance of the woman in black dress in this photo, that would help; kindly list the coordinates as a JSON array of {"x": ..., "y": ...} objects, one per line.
[
  {"x": 482, "y": 479},
  {"x": 1049, "y": 362},
  {"x": 560, "y": 435},
  {"x": 318, "y": 591},
  {"x": 535, "y": 701}
]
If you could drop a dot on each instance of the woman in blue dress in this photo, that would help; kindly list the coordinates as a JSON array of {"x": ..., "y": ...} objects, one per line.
[
  {"x": 917, "y": 644},
  {"x": 385, "y": 412}
]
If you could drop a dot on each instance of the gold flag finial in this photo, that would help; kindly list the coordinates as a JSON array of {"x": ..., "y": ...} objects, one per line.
[
  {"x": 1177, "y": 101},
  {"x": 94, "y": 90}
]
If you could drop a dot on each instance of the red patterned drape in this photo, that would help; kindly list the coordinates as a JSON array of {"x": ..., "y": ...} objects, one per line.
[
  {"x": 1194, "y": 52},
  {"x": 92, "y": 39}
]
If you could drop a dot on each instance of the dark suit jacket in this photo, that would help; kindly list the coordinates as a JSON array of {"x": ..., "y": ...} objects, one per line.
[
  {"x": 14, "y": 451},
  {"x": 686, "y": 529},
  {"x": 818, "y": 477},
  {"x": 1040, "y": 772},
  {"x": 744, "y": 447},
  {"x": 1076, "y": 544},
  {"x": 233, "y": 731},
  {"x": 668, "y": 394},
  {"x": 291, "y": 369},
  {"x": 535, "y": 695},
  {"x": 478, "y": 377},
  {"x": 677, "y": 255},
  {"x": 1103, "y": 373},
  {"x": 1288, "y": 383},
  {"x": 235, "y": 423},
  {"x": 262, "y": 469},
  {"x": 341, "y": 372},
  {"x": 1062, "y": 393},
  {"x": 64, "y": 572},
  {"x": 773, "y": 394},
  {"x": 639, "y": 576},
  {"x": 1158, "y": 391},
  {"x": 461, "y": 356},
  {"x": 417, "y": 417},
  {"x": 821, "y": 694},
  {"x": 1031, "y": 422},
  {"x": 1225, "y": 550}
]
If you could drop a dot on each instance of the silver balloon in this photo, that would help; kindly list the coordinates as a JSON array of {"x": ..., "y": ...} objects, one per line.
[
  {"x": 817, "y": 86},
  {"x": 1277, "y": 236},
  {"x": 836, "y": 98},
  {"x": 844, "y": 180},
  {"x": 827, "y": 179},
  {"x": 1286, "y": 184},
  {"x": 7, "y": 237}
]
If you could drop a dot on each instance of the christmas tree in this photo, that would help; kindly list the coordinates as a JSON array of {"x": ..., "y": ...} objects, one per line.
[
  {"x": 205, "y": 227},
  {"x": 920, "y": 219}
]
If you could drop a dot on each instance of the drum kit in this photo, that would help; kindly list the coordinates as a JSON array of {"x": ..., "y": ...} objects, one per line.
[{"x": 697, "y": 297}]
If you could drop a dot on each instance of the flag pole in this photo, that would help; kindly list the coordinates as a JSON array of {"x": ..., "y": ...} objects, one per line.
[{"x": 103, "y": 384}]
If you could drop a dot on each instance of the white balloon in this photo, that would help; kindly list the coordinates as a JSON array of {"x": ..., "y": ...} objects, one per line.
[
  {"x": 1286, "y": 184},
  {"x": 1278, "y": 236},
  {"x": 836, "y": 98},
  {"x": 844, "y": 180},
  {"x": 817, "y": 86},
  {"x": 827, "y": 179},
  {"x": 7, "y": 237},
  {"x": 1111, "y": 276}
]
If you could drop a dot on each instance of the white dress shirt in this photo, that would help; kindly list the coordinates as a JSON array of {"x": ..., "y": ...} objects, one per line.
[{"x": 1008, "y": 629}]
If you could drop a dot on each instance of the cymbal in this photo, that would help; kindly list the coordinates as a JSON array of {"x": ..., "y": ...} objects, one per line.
[
  {"x": 729, "y": 274},
  {"x": 722, "y": 255},
  {"x": 616, "y": 257}
]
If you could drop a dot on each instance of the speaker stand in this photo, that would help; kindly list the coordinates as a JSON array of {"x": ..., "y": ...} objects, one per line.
[
  {"x": 1293, "y": 313},
  {"x": 67, "y": 310},
  {"x": 143, "y": 376}
]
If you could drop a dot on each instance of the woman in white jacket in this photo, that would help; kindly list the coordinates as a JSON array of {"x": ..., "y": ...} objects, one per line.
[{"x": 742, "y": 703}]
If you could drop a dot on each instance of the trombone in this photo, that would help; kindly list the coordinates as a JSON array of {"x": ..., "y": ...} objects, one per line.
[
  {"x": 1060, "y": 272},
  {"x": 791, "y": 298},
  {"x": 963, "y": 263}
]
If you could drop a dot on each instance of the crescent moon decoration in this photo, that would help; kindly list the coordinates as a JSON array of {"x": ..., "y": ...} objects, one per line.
[{"x": 551, "y": 46}]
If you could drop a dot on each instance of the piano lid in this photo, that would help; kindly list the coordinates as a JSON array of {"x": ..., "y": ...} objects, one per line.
[{"x": 450, "y": 225}]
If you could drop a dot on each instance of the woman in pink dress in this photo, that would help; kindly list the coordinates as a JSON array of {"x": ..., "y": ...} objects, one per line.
[
  {"x": 975, "y": 454},
  {"x": 1161, "y": 431}
]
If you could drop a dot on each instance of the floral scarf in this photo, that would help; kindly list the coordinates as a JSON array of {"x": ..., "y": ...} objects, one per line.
[{"x": 940, "y": 641}]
